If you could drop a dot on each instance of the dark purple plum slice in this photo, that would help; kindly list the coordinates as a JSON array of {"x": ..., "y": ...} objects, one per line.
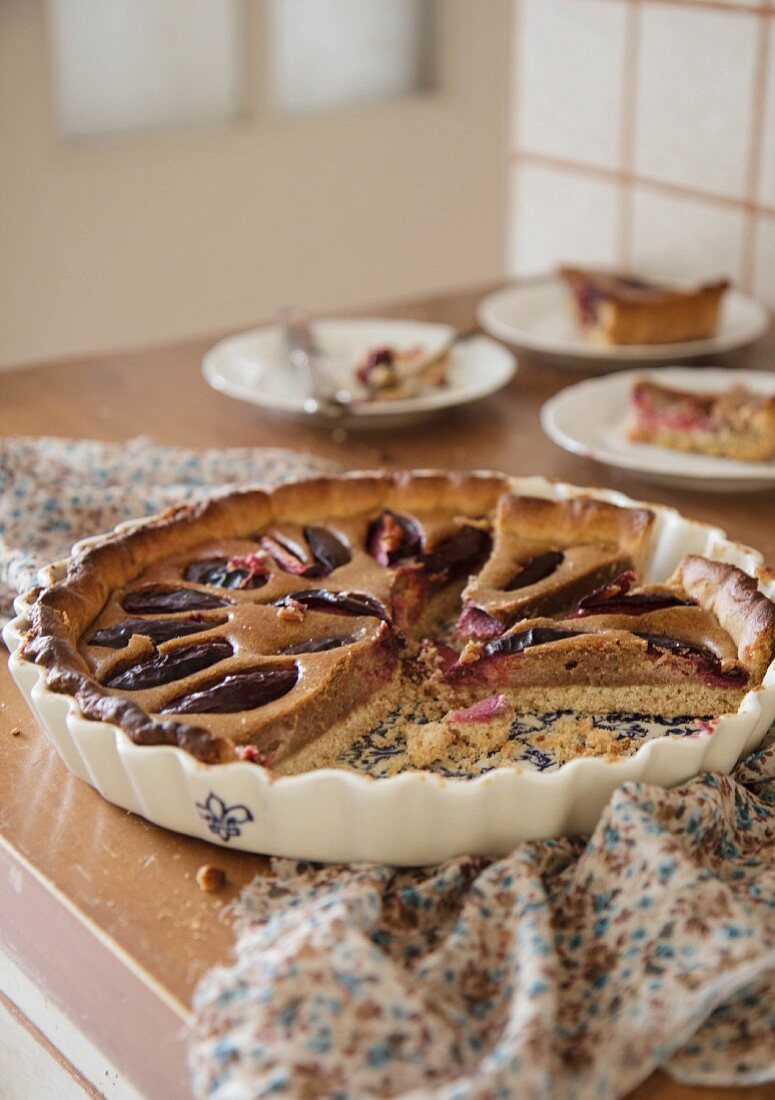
[
  {"x": 289, "y": 561},
  {"x": 524, "y": 639},
  {"x": 638, "y": 604},
  {"x": 239, "y": 691},
  {"x": 338, "y": 603},
  {"x": 535, "y": 569},
  {"x": 163, "y": 668},
  {"x": 677, "y": 646},
  {"x": 708, "y": 664},
  {"x": 317, "y": 645},
  {"x": 158, "y": 630},
  {"x": 223, "y": 573},
  {"x": 613, "y": 599},
  {"x": 458, "y": 555},
  {"x": 156, "y": 599},
  {"x": 392, "y": 538},
  {"x": 327, "y": 548}
]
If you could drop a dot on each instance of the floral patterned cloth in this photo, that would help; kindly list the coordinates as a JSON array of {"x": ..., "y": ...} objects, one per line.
[
  {"x": 56, "y": 491},
  {"x": 568, "y": 970}
]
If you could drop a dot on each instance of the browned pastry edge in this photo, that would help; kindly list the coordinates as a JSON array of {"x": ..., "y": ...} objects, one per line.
[
  {"x": 746, "y": 614},
  {"x": 578, "y": 519}
]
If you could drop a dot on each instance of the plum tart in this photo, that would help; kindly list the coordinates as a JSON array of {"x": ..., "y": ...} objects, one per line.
[
  {"x": 623, "y": 309},
  {"x": 279, "y": 627},
  {"x": 733, "y": 424}
]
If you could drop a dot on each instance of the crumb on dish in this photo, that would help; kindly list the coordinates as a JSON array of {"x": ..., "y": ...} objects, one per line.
[{"x": 570, "y": 737}]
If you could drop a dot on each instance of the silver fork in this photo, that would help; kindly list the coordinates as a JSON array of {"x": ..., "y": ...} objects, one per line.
[{"x": 314, "y": 367}]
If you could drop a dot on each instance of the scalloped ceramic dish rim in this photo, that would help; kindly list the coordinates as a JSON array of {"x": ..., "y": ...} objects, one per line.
[{"x": 640, "y": 759}]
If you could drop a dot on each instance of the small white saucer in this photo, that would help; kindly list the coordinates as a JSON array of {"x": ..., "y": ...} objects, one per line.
[
  {"x": 254, "y": 367},
  {"x": 535, "y": 316},
  {"x": 590, "y": 419}
]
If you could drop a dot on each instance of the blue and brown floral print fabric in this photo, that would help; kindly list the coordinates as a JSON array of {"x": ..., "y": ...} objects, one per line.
[
  {"x": 54, "y": 492},
  {"x": 568, "y": 970}
]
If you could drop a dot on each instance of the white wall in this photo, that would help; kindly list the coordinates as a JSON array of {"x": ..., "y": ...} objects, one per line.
[
  {"x": 148, "y": 235},
  {"x": 644, "y": 136}
]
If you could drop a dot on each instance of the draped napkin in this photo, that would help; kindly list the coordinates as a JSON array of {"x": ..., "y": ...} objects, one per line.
[
  {"x": 56, "y": 491},
  {"x": 568, "y": 970}
]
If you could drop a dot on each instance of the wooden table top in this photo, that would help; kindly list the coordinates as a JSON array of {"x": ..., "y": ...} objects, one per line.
[{"x": 101, "y": 907}]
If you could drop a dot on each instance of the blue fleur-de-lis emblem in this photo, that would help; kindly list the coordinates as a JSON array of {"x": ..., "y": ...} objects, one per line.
[{"x": 223, "y": 820}]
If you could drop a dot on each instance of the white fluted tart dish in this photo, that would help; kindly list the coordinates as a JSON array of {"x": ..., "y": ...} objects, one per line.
[{"x": 397, "y": 667}]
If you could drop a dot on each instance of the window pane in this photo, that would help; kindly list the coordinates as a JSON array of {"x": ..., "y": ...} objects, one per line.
[
  {"x": 130, "y": 64},
  {"x": 331, "y": 53}
]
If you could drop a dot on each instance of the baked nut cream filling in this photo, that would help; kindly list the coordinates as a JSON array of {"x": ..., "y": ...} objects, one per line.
[{"x": 424, "y": 610}]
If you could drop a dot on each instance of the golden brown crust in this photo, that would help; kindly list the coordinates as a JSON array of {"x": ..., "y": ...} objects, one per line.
[
  {"x": 469, "y": 494},
  {"x": 304, "y": 501},
  {"x": 576, "y": 521},
  {"x": 735, "y": 600}
]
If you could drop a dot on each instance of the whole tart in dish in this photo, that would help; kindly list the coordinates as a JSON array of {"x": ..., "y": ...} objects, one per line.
[
  {"x": 279, "y": 627},
  {"x": 612, "y": 308},
  {"x": 736, "y": 423}
]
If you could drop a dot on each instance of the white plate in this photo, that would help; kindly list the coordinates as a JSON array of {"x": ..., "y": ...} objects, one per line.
[
  {"x": 412, "y": 818},
  {"x": 535, "y": 316},
  {"x": 254, "y": 367},
  {"x": 590, "y": 419}
]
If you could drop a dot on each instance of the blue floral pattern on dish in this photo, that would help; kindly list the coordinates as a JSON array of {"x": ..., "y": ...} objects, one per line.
[
  {"x": 54, "y": 492},
  {"x": 225, "y": 821},
  {"x": 381, "y": 752}
]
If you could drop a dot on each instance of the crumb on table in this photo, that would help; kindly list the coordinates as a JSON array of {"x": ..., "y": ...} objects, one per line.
[{"x": 210, "y": 878}]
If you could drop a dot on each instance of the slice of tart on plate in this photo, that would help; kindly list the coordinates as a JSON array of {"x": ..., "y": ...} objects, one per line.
[
  {"x": 670, "y": 425},
  {"x": 735, "y": 423},
  {"x": 542, "y": 315},
  {"x": 612, "y": 308}
]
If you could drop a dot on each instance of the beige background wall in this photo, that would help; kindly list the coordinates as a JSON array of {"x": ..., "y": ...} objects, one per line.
[
  {"x": 644, "y": 135},
  {"x": 110, "y": 242}
]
